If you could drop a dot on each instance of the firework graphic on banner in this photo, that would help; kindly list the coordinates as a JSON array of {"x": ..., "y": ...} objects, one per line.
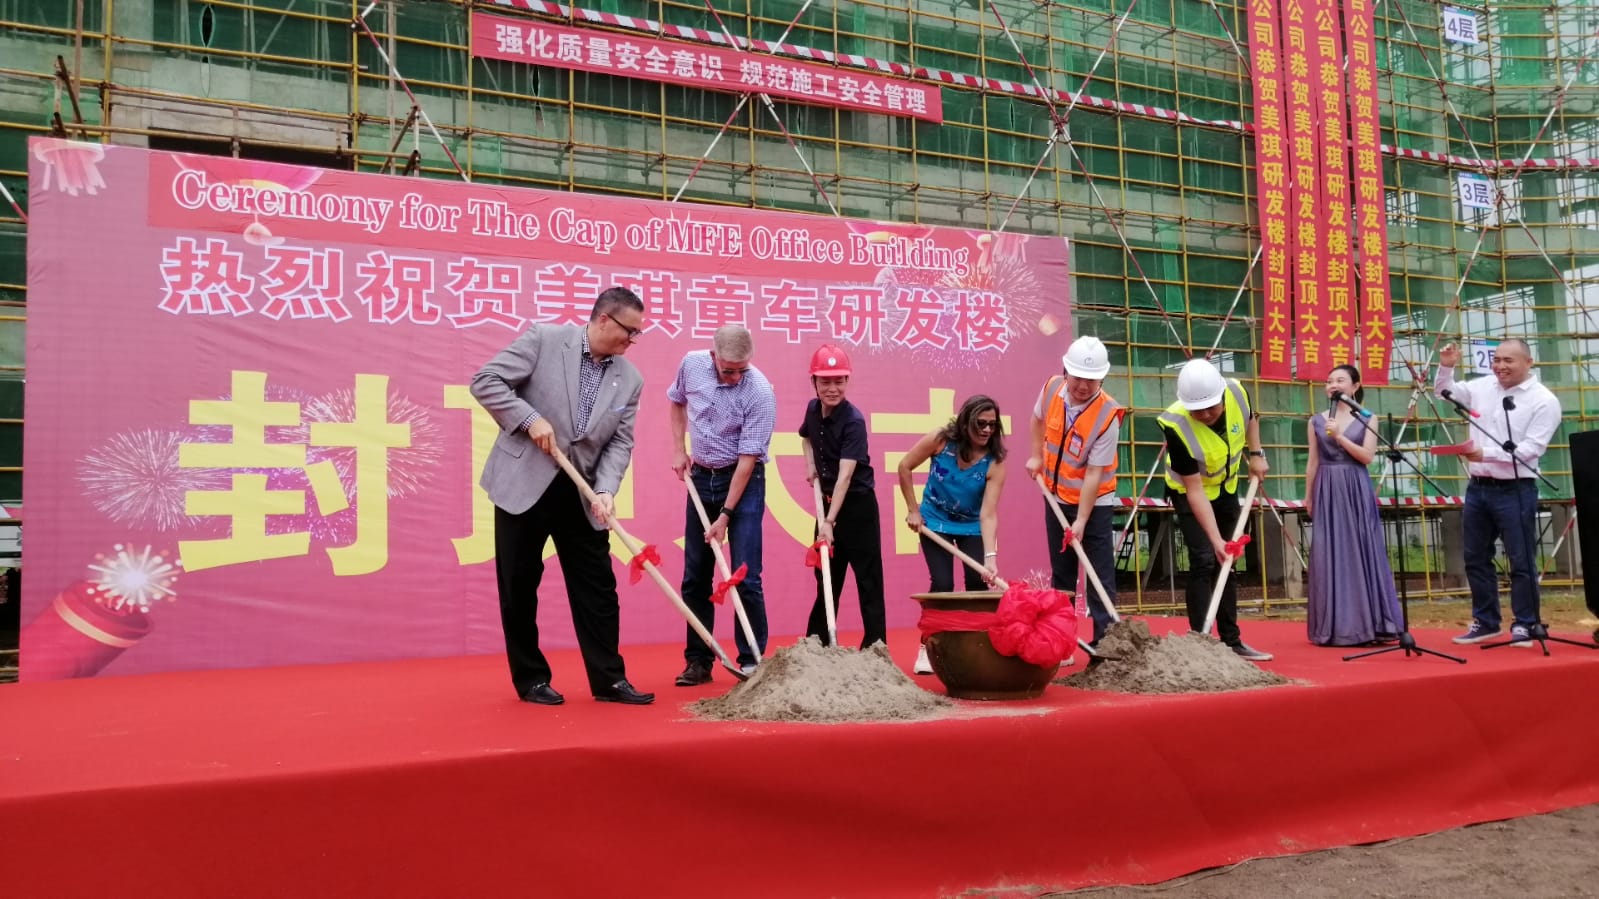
[
  {"x": 134, "y": 479},
  {"x": 1001, "y": 267},
  {"x": 132, "y": 580},
  {"x": 410, "y": 467},
  {"x": 333, "y": 530}
]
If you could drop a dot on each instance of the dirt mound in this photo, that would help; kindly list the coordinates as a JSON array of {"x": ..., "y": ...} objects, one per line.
[
  {"x": 1177, "y": 663},
  {"x": 825, "y": 685}
]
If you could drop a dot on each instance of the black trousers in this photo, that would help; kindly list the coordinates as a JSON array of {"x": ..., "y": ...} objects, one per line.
[
  {"x": 942, "y": 564},
  {"x": 857, "y": 544},
  {"x": 1099, "y": 544},
  {"x": 585, "y": 556},
  {"x": 1203, "y": 569}
]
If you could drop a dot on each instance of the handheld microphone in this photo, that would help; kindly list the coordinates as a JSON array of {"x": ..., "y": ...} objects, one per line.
[
  {"x": 1508, "y": 402},
  {"x": 1459, "y": 406},
  {"x": 1350, "y": 402}
]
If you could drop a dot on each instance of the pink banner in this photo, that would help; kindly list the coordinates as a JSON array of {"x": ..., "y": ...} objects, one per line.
[
  {"x": 699, "y": 66},
  {"x": 250, "y": 440}
]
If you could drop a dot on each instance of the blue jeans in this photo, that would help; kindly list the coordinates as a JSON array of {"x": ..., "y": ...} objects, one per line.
[
  {"x": 699, "y": 565},
  {"x": 1507, "y": 510}
]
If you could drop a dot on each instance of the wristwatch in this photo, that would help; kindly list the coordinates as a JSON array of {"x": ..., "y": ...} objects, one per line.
[
  {"x": 1260, "y": 453},
  {"x": 729, "y": 513}
]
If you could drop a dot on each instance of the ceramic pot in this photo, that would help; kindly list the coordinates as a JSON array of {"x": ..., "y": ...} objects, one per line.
[{"x": 967, "y": 663}]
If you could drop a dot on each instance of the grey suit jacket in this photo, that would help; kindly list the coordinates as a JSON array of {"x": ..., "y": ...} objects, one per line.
[{"x": 539, "y": 371}]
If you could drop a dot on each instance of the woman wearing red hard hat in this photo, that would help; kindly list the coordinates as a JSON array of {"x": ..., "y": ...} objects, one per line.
[{"x": 836, "y": 456}]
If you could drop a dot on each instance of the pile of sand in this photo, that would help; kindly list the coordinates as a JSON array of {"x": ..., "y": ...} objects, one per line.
[
  {"x": 1177, "y": 663},
  {"x": 819, "y": 684}
]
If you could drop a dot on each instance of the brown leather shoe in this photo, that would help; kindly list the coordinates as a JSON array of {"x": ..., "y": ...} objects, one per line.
[
  {"x": 694, "y": 674},
  {"x": 623, "y": 692}
]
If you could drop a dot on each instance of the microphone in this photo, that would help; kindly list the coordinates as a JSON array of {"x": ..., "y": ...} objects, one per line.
[
  {"x": 1349, "y": 401},
  {"x": 1332, "y": 403},
  {"x": 1460, "y": 407},
  {"x": 1509, "y": 445}
]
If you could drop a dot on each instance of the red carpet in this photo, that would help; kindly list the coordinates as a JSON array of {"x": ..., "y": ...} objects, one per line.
[{"x": 428, "y": 778}]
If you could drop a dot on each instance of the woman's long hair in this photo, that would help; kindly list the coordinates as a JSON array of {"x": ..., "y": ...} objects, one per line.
[{"x": 959, "y": 430}]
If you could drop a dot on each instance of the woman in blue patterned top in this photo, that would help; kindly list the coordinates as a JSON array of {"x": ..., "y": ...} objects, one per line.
[{"x": 961, "y": 499}]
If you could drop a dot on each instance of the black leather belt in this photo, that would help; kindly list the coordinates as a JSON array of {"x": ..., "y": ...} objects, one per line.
[
  {"x": 705, "y": 469},
  {"x": 1499, "y": 483}
]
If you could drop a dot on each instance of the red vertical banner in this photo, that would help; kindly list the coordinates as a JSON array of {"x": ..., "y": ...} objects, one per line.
[
  {"x": 1337, "y": 282},
  {"x": 1370, "y": 214},
  {"x": 1304, "y": 161},
  {"x": 1271, "y": 188}
]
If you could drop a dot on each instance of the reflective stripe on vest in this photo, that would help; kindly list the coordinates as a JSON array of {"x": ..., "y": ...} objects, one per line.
[
  {"x": 1227, "y": 455},
  {"x": 1066, "y": 469}
]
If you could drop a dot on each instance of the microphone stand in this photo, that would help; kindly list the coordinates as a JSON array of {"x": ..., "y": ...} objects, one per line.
[
  {"x": 1407, "y": 643},
  {"x": 1537, "y": 631}
]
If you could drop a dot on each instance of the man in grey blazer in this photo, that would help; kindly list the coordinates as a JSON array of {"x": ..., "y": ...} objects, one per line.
[{"x": 563, "y": 386}]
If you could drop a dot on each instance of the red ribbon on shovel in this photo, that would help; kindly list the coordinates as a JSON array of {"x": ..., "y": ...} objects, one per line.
[
  {"x": 646, "y": 553},
  {"x": 1235, "y": 548},
  {"x": 719, "y": 593},
  {"x": 813, "y": 555}
]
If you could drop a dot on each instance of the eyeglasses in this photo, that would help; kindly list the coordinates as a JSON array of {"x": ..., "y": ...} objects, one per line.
[
  {"x": 633, "y": 334},
  {"x": 985, "y": 424},
  {"x": 729, "y": 372}
]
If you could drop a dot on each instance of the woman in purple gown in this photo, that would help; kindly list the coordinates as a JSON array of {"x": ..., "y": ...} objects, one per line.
[{"x": 1352, "y": 598}]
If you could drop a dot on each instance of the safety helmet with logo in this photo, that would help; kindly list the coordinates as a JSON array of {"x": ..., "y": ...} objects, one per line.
[
  {"x": 829, "y": 361},
  {"x": 1200, "y": 385},
  {"x": 1087, "y": 358}
]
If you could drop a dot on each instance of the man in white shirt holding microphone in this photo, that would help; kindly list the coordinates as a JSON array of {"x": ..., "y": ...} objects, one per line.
[{"x": 1502, "y": 496}]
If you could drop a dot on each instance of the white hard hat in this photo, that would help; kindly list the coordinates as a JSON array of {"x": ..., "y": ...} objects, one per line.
[
  {"x": 1086, "y": 358},
  {"x": 1200, "y": 385}
]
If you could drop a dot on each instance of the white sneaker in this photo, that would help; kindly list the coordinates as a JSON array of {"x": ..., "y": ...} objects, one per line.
[
  {"x": 746, "y": 670},
  {"x": 923, "y": 665}
]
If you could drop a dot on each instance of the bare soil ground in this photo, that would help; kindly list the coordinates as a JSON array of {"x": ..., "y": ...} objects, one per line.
[{"x": 1541, "y": 857}]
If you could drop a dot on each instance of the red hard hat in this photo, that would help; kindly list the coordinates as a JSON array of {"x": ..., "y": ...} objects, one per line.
[{"x": 829, "y": 361}]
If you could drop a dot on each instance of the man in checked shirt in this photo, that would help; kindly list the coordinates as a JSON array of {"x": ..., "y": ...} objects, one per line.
[{"x": 728, "y": 407}]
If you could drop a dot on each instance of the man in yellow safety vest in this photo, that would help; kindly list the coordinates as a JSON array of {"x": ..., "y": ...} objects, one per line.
[{"x": 1207, "y": 431}]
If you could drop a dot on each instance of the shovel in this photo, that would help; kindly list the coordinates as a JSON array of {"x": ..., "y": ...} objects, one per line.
[
  {"x": 634, "y": 547},
  {"x": 1227, "y": 563},
  {"x": 999, "y": 582},
  {"x": 727, "y": 571},
  {"x": 827, "y": 571},
  {"x": 1082, "y": 556}
]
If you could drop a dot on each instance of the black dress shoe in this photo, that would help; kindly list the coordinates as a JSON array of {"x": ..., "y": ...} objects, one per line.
[
  {"x": 543, "y": 694},
  {"x": 694, "y": 674},
  {"x": 623, "y": 692}
]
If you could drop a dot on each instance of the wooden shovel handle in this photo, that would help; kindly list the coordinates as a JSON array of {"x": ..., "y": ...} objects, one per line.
[
  {"x": 633, "y": 546},
  {"x": 953, "y": 550},
  {"x": 1226, "y": 564}
]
